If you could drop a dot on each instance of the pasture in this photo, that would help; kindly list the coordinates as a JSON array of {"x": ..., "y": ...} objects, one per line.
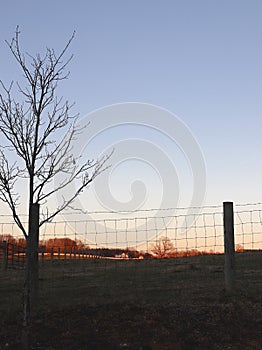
[{"x": 153, "y": 304}]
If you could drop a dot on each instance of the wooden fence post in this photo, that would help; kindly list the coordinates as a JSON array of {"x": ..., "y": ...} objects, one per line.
[
  {"x": 12, "y": 253},
  {"x": 4, "y": 255},
  {"x": 43, "y": 254},
  {"x": 229, "y": 246},
  {"x": 18, "y": 254},
  {"x": 52, "y": 255}
]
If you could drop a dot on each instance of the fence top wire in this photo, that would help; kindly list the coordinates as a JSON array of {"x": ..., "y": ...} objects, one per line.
[
  {"x": 142, "y": 214},
  {"x": 218, "y": 206},
  {"x": 80, "y": 212}
]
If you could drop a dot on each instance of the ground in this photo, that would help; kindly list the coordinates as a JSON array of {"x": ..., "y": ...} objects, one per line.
[{"x": 173, "y": 304}]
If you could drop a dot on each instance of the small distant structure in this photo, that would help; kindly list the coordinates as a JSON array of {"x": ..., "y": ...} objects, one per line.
[{"x": 122, "y": 256}]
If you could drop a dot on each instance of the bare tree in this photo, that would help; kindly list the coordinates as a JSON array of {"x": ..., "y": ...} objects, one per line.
[
  {"x": 163, "y": 247},
  {"x": 39, "y": 131},
  {"x": 30, "y": 128}
]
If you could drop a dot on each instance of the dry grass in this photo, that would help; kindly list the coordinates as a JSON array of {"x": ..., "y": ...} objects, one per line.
[{"x": 147, "y": 304}]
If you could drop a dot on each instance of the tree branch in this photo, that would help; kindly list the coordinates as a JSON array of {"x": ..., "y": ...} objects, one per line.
[
  {"x": 8, "y": 177},
  {"x": 31, "y": 127}
]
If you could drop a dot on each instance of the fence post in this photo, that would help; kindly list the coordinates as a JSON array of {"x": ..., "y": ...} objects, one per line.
[
  {"x": 12, "y": 253},
  {"x": 5, "y": 255},
  {"x": 43, "y": 254},
  {"x": 229, "y": 246},
  {"x": 18, "y": 254},
  {"x": 52, "y": 255}
]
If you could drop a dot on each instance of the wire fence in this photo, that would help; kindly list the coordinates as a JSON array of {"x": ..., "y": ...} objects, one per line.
[
  {"x": 182, "y": 260},
  {"x": 166, "y": 233}
]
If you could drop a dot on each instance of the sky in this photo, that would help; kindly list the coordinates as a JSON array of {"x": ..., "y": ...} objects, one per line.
[{"x": 198, "y": 62}]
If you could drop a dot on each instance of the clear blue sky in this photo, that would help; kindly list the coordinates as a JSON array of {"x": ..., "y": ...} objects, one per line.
[{"x": 201, "y": 60}]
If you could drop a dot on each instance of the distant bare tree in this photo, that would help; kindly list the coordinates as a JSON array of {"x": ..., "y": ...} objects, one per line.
[
  {"x": 39, "y": 131},
  {"x": 163, "y": 247}
]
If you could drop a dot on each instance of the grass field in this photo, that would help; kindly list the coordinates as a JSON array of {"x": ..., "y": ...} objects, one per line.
[{"x": 149, "y": 304}]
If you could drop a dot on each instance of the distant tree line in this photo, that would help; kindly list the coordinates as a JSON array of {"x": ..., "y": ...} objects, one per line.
[
  {"x": 56, "y": 244},
  {"x": 162, "y": 248}
]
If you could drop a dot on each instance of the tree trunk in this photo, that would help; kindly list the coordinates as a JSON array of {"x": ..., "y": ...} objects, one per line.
[
  {"x": 33, "y": 243},
  {"x": 31, "y": 271}
]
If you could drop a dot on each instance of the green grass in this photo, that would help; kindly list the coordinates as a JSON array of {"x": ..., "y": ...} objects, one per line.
[{"x": 147, "y": 304}]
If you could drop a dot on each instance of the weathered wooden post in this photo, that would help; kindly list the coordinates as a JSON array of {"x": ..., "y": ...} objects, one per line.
[
  {"x": 58, "y": 252},
  {"x": 52, "y": 255},
  {"x": 5, "y": 255},
  {"x": 18, "y": 254},
  {"x": 229, "y": 247},
  {"x": 43, "y": 254},
  {"x": 12, "y": 253}
]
